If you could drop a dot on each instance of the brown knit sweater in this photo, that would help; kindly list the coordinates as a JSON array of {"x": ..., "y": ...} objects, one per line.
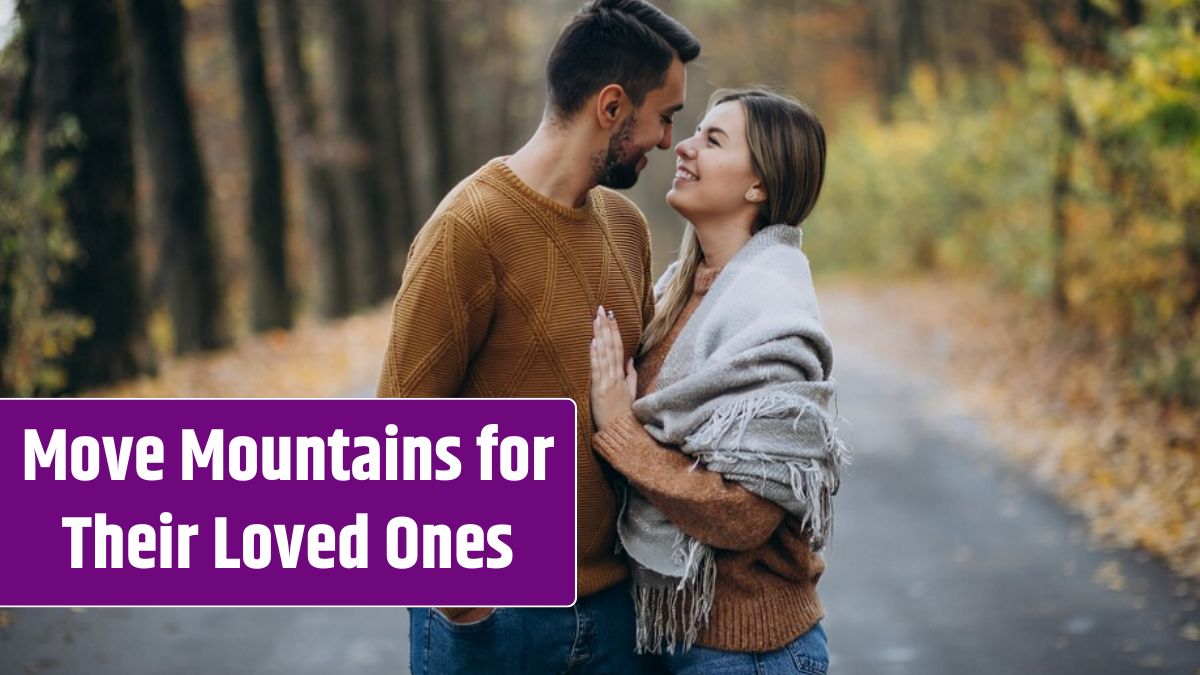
[
  {"x": 766, "y": 593},
  {"x": 497, "y": 300}
]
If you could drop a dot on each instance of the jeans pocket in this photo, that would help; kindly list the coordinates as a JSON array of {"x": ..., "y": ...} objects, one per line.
[
  {"x": 810, "y": 652},
  {"x": 450, "y": 648},
  {"x": 809, "y": 666},
  {"x": 477, "y": 626}
]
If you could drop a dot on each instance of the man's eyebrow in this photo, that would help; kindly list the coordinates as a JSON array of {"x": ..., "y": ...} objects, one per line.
[{"x": 674, "y": 109}]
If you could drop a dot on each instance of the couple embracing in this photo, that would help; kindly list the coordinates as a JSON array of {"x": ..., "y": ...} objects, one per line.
[{"x": 707, "y": 452}]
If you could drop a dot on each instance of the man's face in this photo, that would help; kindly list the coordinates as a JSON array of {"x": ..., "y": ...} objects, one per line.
[{"x": 646, "y": 128}]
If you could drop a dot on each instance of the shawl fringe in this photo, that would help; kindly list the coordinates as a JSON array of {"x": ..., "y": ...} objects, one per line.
[
  {"x": 813, "y": 482},
  {"x": 666, "y": 611}
]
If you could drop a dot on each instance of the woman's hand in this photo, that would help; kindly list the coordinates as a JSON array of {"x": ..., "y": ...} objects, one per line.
[{"x": 614, "y": 380}]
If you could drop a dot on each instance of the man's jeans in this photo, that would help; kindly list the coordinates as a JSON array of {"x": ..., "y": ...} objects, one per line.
[{"x": 594, "y": 636}]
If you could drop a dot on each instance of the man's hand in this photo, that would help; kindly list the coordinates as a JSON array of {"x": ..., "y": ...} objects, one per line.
[{"x": 474, "y": 614}]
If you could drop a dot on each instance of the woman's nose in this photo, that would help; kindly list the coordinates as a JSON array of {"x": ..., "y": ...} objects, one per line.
[{"x": 684, "y": 149}]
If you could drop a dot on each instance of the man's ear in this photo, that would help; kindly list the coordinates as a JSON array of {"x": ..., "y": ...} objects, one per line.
[{"x": 611, "y": 106}]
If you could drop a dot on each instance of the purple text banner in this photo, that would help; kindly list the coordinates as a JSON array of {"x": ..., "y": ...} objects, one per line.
[{"x": 461, "y": 502}]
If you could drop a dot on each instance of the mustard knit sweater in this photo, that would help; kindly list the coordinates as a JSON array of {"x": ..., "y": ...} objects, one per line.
[{"x": 497, "y": 300}]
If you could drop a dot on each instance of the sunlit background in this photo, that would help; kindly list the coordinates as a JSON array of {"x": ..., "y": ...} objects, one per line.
[{"x": 1048, "y": 146}]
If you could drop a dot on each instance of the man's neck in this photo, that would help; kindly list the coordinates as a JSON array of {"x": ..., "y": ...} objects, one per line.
[{"x": 557, "y": 164}]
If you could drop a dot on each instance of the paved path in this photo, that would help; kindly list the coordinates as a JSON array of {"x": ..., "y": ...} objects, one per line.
[
  {"x": 204, "y": 641},
  {"x": 945, "y": 561}
]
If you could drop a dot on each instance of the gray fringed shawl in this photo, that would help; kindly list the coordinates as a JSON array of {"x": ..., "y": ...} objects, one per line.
[{"x": 745, "y": 390}]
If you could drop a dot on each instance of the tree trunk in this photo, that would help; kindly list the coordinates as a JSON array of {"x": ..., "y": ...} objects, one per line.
[
  {"x": 322, "y": 217},
  {"x": 359, "y": 190},
  {"x": 411, "y": 67},
  {"x": 188, "y": 248},
  {"x": 1191, "y": 250},
  {"x": 391, "y": 120},
  {"x": 1068, "y": 135},
  {"x": 19, "y": 115},
  {"x": 437, "y": 91},
  {"x": 270, "y": 297},
  {"x": 884, "y": 44},
  {"x": 502, "y": 64},
  {"x": 1132, "y": 12},
  {"x": 82, "y": 75},
  {"x": 1081, "y": 31},
  {"x": 23, "y": 106}
]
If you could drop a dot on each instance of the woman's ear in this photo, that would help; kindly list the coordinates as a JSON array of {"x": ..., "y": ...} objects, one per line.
[{"x": 756, "y": 193}]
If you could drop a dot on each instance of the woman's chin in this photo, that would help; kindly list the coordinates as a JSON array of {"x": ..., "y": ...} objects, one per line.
[{"x": 675, "y": 201}]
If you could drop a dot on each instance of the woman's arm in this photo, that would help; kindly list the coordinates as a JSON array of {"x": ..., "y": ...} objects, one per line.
[{"x": 700, "y": 502}]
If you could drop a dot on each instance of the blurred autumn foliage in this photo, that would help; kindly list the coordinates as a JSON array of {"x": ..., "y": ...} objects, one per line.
[{"x": 1072, "y": 182}]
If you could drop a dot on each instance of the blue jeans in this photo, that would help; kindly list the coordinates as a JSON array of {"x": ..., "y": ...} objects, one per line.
[
  {"x": 807, "y": 654},
  {"x": 594, "y": 636}
]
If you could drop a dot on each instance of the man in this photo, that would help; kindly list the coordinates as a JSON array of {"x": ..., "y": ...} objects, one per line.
[{"x": 498, "y": 298}]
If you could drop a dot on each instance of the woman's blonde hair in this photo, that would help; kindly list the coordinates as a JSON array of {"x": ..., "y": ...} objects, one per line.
[{"x": 787, "y": 151}]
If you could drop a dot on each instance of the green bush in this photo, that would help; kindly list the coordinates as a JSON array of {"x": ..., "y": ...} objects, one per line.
[{"x": 35, "y": 245}]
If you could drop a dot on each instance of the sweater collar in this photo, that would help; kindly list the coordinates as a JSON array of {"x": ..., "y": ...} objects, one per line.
[
  {"x": 706, "y": 276},
  {"x": 499, "y": 169}
]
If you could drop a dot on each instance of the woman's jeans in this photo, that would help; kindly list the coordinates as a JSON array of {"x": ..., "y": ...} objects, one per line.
[
  {"x": 594, "y": 636},
  {"x": 807, "y": 654}
]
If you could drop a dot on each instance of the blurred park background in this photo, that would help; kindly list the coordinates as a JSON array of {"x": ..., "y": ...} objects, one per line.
[{"x": 215, "y": 198}]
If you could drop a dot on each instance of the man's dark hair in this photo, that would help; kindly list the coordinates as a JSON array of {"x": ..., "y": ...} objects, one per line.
[{"x": 627, "y": 42}]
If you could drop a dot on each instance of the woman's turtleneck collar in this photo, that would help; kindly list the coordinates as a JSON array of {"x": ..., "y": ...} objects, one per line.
[{"x": 706, "y": 276}]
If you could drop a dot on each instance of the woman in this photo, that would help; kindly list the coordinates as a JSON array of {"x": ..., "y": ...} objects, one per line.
[{"x": 729, "y": 450}]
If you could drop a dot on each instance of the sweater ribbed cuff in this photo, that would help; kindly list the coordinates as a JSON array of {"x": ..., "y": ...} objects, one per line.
[{"x": 618, "y": 435}]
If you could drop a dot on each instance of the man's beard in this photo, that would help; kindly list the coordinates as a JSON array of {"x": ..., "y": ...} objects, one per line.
[{"x": 612, "y": 171}]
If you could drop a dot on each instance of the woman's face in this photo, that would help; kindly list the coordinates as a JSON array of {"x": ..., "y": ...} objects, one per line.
[{"x": 714, "y": 175}]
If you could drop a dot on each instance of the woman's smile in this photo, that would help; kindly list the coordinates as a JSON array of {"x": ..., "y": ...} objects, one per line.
[{"x": 683, "y": 175}]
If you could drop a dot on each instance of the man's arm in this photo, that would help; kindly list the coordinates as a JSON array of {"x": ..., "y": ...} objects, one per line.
[
  {"x": 441, "y": 314},
  {"x": 439, "y": 319}
]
